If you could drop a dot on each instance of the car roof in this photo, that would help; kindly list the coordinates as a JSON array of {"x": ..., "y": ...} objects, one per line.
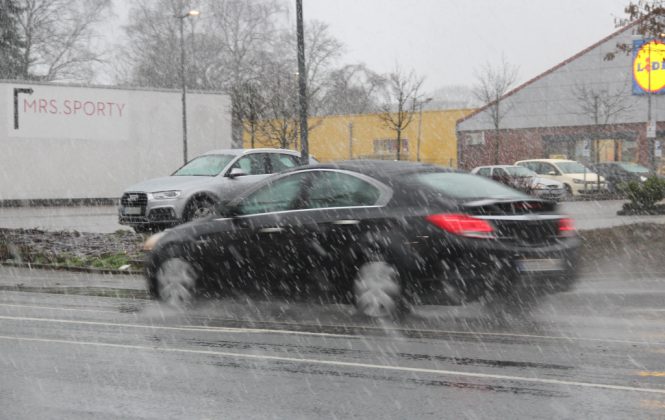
[
  {"x": 383, "y": 170},
  {"x": 238, "y": 152},
  {"x": 547, "y": 160},
  {"x": 496, "y": 166}
]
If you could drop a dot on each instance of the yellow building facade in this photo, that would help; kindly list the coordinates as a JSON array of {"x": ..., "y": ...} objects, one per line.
[{"x": 430, "y": 138}]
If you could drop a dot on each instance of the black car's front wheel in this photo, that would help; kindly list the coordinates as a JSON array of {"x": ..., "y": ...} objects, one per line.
[
  {"x": 377, "y": 289},
  {"x": 176, "y": 281}
]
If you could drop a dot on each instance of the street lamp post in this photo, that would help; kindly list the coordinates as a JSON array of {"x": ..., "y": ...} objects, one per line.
[
  {"x": 183, "y": 84},
  {"x": 420, "y": 122}
]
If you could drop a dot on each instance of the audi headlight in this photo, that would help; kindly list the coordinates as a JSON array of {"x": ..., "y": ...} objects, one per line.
[
  {"x": 165, "y": 195},
  {"x": 578, "y": 181}
]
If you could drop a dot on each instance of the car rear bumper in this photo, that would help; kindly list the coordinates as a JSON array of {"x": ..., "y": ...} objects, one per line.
[{"x": 485, "y": 271}]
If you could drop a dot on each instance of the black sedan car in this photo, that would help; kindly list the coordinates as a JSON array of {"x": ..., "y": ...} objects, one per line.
[{"x": 383, "y": 235}]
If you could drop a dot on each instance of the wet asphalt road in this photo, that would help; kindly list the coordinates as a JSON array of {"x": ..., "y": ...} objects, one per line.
[
  {"x": 104, "y": 219},
  {"x": 595, "y": 352}
]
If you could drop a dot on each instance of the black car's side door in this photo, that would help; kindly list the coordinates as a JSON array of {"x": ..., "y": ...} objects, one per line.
[
  {"x": 342, "y": 208},
  {"x": 267, "y": 228}
]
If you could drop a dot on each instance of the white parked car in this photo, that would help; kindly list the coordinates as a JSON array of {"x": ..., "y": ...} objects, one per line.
[
  {"x": 192, "y": 191},
  {"x": 523, "y": 179},
  {"x": 577, "y": 178}
]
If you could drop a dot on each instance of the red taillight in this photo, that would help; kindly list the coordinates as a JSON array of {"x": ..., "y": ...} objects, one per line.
[
  {"x": 463, "y": 225},
  {"x": 566, "y": 227}
]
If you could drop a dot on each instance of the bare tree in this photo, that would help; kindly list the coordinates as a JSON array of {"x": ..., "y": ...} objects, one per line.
[
  {"x": 245, "y": 30},
  {"x": 59, "y": 38},
  {"x": 351, "y": 89},
  {"x": 602, "y": 105},
  {"x": 401, "y": 100},
  {"x": 493, "y": 83},
  {"x": 648, "y": 18},
  {"x": 11, "y": 42}
]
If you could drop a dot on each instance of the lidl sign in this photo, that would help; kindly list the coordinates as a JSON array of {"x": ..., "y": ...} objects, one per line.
[{"x": 648, "y": 66}]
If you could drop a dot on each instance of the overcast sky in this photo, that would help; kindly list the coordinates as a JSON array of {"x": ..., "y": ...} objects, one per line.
[{"x": 446, "y": 40}]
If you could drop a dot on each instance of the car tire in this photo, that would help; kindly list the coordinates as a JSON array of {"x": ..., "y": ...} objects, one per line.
[
  {"x": 199, "y": 208},
  {"x": 377, "y": 290},
  {"x": 176, "y": 281}
]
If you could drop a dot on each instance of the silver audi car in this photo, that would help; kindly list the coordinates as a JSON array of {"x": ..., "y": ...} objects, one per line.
[{"x": 192, "y": 191}]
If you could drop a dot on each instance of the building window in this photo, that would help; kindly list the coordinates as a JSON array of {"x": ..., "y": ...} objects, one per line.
[
  {"x": 475, "y": 139},
  {"x": 389, "y": 146}
]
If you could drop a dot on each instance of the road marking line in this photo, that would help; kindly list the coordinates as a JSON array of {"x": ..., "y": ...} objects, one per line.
[
  {"x": 56, "y": 308},
  {"x": 267, "y": 330},
  {"x": 346, "y": 364},
  {"x": 652, "y": 374},
  {"x": 183, "y": 328}
]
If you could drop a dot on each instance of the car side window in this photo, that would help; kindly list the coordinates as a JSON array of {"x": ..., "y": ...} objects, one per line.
[
  {"x": 335, "y": 189},
  {"x": 279, "y": 195},
  {"x": 547, "y": 168},
  {"x": 253, "y": 164},
  {"x": 484, "y": 171},
  {"x": 539, "y": 168},
  {"x": 281, "y": 162},
  {"x": 500, "y": 172}
]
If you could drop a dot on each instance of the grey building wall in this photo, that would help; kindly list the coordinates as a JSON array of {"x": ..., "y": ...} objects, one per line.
[
  {"x": 550, "y": 99},
  {"x": 73, "y": 142}
]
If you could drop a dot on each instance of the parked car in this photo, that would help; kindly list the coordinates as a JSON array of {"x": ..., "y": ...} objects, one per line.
[
  {"x": 617, "y": 173},
  {"x": 194, "y": 189},
  {"x": 523, "y": 179},
  {"x": 577, "y": 178},
  {"x": 382, "y": 234}
]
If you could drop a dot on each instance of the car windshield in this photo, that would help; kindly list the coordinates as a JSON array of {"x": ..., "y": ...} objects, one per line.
[
  {"x": 633, "y": 167},
  {"x": 572, "y": 167},
  {"x": 519, "y": 171},
  {"x": 465, "y": 186},
  {"x": 206, "y": 165}
]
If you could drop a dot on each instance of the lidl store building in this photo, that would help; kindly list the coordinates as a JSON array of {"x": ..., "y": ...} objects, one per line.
[{"x": 586, "y": 108}]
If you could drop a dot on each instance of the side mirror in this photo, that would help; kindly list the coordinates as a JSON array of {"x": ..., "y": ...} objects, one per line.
[{"x": 236, "y": 172}]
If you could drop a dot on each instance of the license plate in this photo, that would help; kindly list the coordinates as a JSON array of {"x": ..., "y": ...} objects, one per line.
[
  {"x": 131, "y": 211},
  {"x": 544, "y": 264}
]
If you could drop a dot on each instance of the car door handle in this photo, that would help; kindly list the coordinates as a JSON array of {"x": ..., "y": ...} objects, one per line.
[
  {"x": 271, "y": 230},
  {"x": 346, "y": 222}
]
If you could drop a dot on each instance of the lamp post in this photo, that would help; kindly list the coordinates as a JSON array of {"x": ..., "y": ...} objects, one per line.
[
  {"x": 183, "y": 84},
  {"x": 420, "y": 123}
]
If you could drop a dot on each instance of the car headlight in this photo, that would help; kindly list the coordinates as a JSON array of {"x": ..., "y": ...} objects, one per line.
[
  {"x": 151, "y": 242},
  {"x": 578, "y": 181},
  {"x": 540, "y": 187},
  {"x": 643, "y": 178},
  {"x": 164, "y": 195}
]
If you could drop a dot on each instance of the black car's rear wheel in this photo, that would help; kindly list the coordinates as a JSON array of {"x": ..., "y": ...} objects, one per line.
[
  {"x": 176, "y": 281},
  {"x": 377, "y": 289}
]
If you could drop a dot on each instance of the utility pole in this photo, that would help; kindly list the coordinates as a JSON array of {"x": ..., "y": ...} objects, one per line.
[{"x": 302, "y": 85}]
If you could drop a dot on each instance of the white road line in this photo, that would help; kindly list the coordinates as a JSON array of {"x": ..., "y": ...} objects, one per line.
[
  {"x": 183, "y": 328},
  {"x": 397, "y": 330},
  {"x": 56, "y": 308},
  {"x": 346, "y": 364}
]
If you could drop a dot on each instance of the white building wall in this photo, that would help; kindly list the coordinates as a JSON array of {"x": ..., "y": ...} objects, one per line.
[
  {"x": 81, "y": 142},
  {"x": 550, "y": 101}
]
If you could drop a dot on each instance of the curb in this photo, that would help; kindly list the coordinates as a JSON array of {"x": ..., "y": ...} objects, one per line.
[{"x": 71, "y": 268}]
